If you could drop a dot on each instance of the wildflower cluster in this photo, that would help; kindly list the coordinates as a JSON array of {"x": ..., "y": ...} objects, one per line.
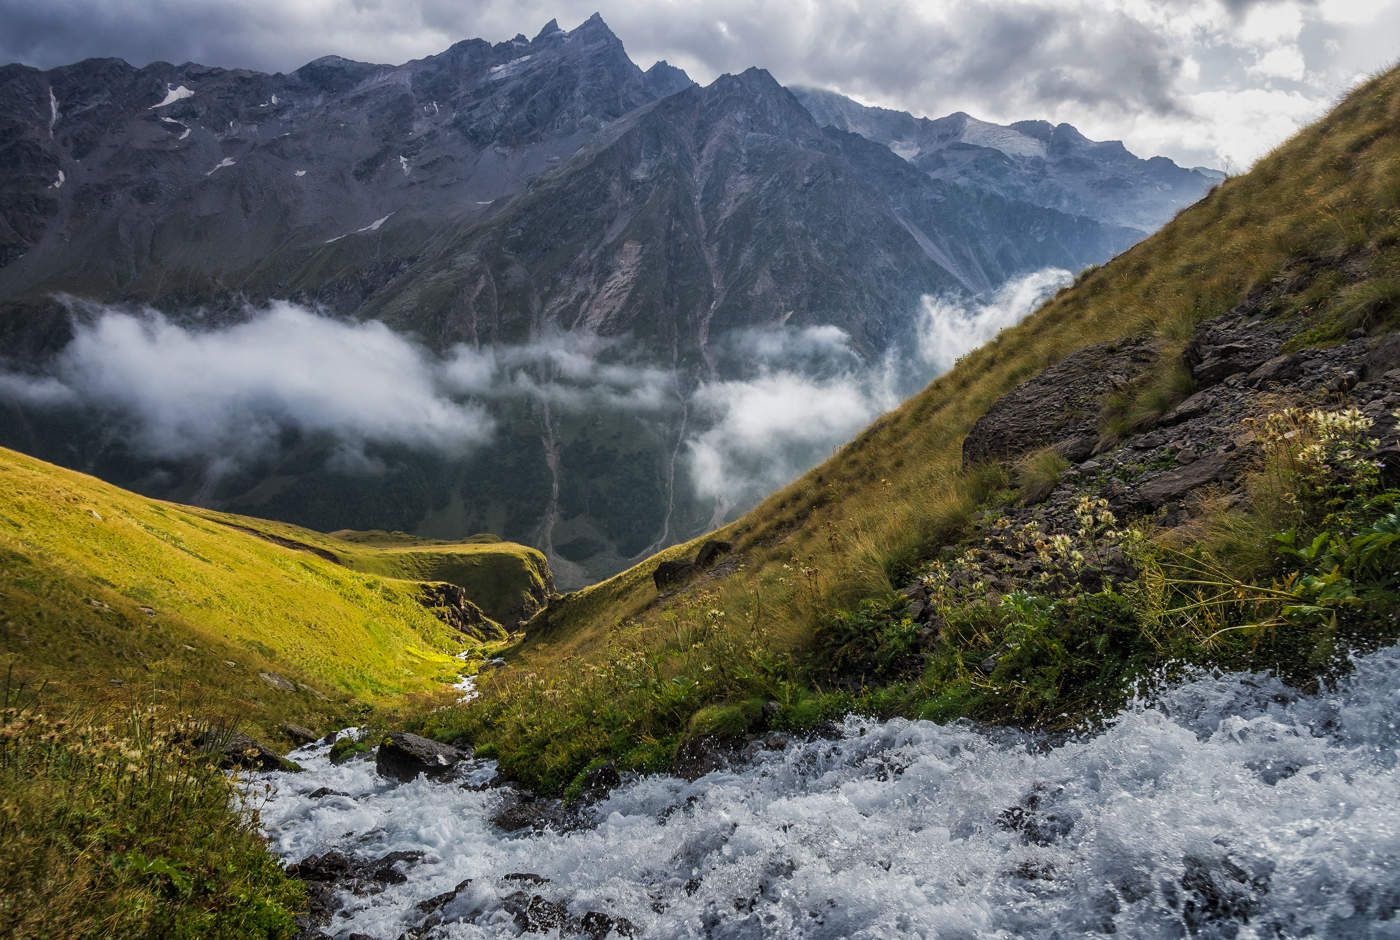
[
  {"x": 1024, "y": 555},
  {"x": 1325, "y": 452}
]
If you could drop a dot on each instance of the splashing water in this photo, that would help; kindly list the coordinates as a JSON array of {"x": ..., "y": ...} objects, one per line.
[{"x": 1230, "y": 807}]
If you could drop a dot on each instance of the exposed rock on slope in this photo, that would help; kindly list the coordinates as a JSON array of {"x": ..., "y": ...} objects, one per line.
[{"x": 1059, "y": 407}]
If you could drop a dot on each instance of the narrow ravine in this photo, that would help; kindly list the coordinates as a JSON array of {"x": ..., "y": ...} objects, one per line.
[{"x": 1230, "y": 806}]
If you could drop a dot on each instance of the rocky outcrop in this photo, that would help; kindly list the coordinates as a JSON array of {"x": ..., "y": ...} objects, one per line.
[
  {"x": 402, "y": 756},
  {"x": 450, "y": 604},
  {"x": 1061, "y": 407},
  {"x": 1200, "y": 449},
  {"x": 673, "y": 573}
]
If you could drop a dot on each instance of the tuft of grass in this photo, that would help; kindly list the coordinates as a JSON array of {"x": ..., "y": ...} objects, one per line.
[
  {"x": 113, "y": 827},
  {"x": 1140, "y": 404},
  {"x": 1039, "y": 472}
]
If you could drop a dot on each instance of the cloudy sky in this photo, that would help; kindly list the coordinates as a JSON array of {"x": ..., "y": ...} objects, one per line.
[{"x": 1215, "y": 82}]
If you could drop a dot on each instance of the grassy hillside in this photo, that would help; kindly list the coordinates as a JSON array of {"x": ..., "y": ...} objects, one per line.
[
  {"x": 508, "y": 581},
  {"x": 108, "y": 594},
  {"x": 1314, "y": 226}
]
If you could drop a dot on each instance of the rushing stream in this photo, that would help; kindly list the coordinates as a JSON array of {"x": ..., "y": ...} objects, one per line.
[{"x": 1229, "y": 807}]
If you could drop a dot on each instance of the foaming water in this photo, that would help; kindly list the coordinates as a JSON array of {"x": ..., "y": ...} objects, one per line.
[{"x": 1230, "y": 807}]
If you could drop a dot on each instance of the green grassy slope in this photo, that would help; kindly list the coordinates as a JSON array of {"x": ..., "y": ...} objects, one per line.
[
  {"x": 106, "y": 593},
  {"x": 1317, "y": 222},
  {"x": 508, "y": 581}
]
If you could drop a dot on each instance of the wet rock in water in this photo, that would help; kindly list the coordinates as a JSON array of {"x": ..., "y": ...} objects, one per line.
[
  {"x": 700, "y": 755},
  {"x": 596, "y": 926},
  {"x": 1036, "y": 819},
  {"x": 599, "y": 782},
  {"x": 321, "y": 874},
  {"x": 1220, "y": 893},
  {"x": 521, "y": 810},
  {"x": 437, "y": 902},
  {"x": 403, "y": 756},
  {"x": 237, "y": 751},
  {"x": 384, "y": 869},
  {"x": 323, "y": 792},
  {"x": 534, "y": 913}
]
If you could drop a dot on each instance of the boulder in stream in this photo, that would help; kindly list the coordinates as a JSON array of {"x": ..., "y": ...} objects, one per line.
[{"x": 403, "y": 756}]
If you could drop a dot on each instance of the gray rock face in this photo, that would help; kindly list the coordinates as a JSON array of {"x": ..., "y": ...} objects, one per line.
[
  {"x": 1047, "y": 165},
  {"x": 1059, "y": 407}
]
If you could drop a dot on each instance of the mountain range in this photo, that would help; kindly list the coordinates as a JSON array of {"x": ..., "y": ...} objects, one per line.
[{"x": 541, "y": 202}]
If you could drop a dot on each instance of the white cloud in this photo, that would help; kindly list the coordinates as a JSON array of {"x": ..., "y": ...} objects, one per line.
[
  {"x": 950, "y": 328},
  {"x": 1280, "y": 62},
  {"x": 809, "y": 391},
  {"x": 232, "y": 391},
  {"x": 227, "y": 395}
]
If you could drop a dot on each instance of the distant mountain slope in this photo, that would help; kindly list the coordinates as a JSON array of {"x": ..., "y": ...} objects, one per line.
[
  {"x": 1033, "y": 161},
  {"x": 442, "y": 191},
  {"x": 722, "y": 208}
]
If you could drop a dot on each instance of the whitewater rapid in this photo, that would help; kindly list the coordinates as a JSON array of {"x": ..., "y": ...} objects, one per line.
[{"x": 1230, "y": 806}]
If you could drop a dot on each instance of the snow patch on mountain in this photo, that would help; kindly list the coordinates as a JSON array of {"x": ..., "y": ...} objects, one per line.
[
  {"x": 1008, "y": 140},
  {"x": 372, "y": 227},
  {"x": 173, "y": 94}
]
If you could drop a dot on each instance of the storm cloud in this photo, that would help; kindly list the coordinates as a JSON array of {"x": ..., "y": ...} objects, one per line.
[{"x": 1203, "y": 81}]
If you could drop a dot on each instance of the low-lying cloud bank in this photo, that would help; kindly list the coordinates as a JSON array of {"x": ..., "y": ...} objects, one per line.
[
  {"x": 229, "y": 395},
  {"x": 810, "y": 390}
]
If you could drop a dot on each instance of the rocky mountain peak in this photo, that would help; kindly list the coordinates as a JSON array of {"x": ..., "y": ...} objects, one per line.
[
  {"x": 665, "y": 79},
  {"x": 549, "y": 29}
]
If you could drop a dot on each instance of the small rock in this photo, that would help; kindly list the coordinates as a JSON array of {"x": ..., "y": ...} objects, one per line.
[
  {"x": 322, "y": 792},
  {"x": 711, "y": 552},
  {"x": 699, "y": 755},
  {"x": 237, "y": 751},
  {"x": 521, "y": 810},
  {"x": 278, "y": 682},
  {"x": 299, "y": 734},
  {"x": 599, "y": 782},
  {"x": 671, "y": 573},
  {"x": 441, "y": 900},
  {"x": 384, "y": 870}
]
